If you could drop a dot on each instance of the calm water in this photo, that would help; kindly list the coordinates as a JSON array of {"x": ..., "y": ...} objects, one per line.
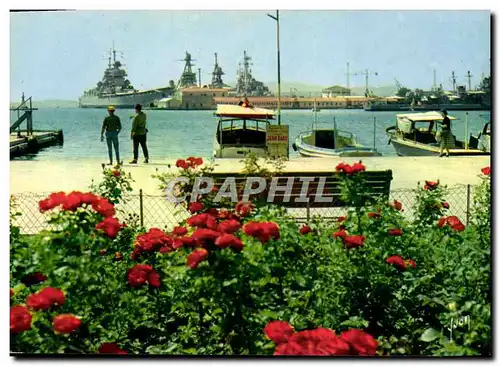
[{"x": 175, "y": 134}]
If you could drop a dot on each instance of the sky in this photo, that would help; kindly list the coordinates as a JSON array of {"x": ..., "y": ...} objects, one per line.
[{"x": 58, "y": 55}]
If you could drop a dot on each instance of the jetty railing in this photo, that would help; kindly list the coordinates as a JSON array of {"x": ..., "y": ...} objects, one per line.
[
  {"x": 156, "y": 211},
  {"x": 27, "y": 115}
]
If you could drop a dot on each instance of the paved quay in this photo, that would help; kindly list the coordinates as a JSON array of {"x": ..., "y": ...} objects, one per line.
[{"x": 67, "y": 175}]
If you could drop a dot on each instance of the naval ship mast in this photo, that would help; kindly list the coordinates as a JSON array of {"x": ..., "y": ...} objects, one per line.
[
  {"x": 217, "y": 75},
  {"x": 246, "y": 85},
  {"x": 188, "y": 77}
]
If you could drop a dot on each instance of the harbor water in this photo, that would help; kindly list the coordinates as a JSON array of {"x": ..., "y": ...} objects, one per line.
[{"x": 175, "y": 134}]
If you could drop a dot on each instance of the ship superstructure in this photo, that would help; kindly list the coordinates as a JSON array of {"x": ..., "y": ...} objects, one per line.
[
  {"x": 116, "y": 89},
  {"x": 246, "y": 84},
  {"x": 217, "y": 76},
  {"x": 188, "y": 77}
]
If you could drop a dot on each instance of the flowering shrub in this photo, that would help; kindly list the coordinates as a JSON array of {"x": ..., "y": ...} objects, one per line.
[{"x": 217, "y": 283}]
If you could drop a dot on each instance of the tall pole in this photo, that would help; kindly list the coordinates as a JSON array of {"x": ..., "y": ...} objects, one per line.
[
  {"x": 277, "y": 18},
  {"x": 347, "y": 78},
  {"x": 434, "y": 86},
  {"x": 366, "y": 83},
  {"x": 199, "y": 77}
]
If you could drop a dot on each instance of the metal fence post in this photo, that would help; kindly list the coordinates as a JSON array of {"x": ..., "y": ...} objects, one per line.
[
  {"x": 141, "y": 207},
  {"x": 467, "y": 213},
  {"x": 307, "y": 210}
]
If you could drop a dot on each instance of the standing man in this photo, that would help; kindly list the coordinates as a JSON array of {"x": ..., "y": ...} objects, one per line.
[
  {"x": 138, "y": 134},
  {"x": 112, "y": 126}
]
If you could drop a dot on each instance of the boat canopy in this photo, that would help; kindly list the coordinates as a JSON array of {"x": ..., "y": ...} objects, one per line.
[
  {"x": 423, "y": 117},
  {"x": 236, "y": 111}
]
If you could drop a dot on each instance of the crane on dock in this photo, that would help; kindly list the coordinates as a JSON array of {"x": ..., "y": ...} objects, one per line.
[{"x": 366, "y": 73}]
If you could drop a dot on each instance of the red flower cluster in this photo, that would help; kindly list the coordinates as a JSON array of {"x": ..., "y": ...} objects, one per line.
[
  {"x": 45, "y": 299},
  {"x": 152, "y": 241},
  {"x": 116, "y": 173},
  {"x": 452, "y": 221},
  {"x": 400, "y": 263},
  {"x": 244, "y": 209},
  {"x": 431, "y": 186},
  {"x": 141, "y": 274},
  {"x": 179, "y": 231},
  {"x": 229, "y": 226},
  {"x": 350, "y": 170},
  {"x": 20, "y": 319},
  {"x": 319, "y": 342},
  {"x": 395, "y": 232},
  {"x": 66, "y": 323},
  {"x": 306, "y": 229},
  {"x": 350, "y": 241},
  {"x": 33, "y": 278},
  {"x": 445, "y": 205},
  {"x": 111, "y": 348},
  {"x": 203, "y": 220},
  {"x": 196, "y": 207},
  {"x": 229, "y": 241},
  {"x": 486, "y": 170},
  {"x": 111, "y": 226},
  {"x": 396, "y": 205},
  {"x": 197, "y": 256},
  {"x": 190, "y": 162},
  {"x": 373, "y": 215},
  {"x": 263, "y": 231},
  {"x": 75, "y": 200}
]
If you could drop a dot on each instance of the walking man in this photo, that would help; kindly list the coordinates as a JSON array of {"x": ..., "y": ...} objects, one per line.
[
  {"x": 138, "y": 134},
  {"x": 112, "y": 126}
]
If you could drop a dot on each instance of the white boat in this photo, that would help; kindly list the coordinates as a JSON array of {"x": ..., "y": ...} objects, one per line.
[
  {"x": 416, "y": 134},
  {"x": 240, "y": 131}
]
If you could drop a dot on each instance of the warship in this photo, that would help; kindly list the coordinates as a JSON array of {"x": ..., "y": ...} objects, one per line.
[
  {"x": 115, "y": 89},
  {"x": 246, "y": 85}
]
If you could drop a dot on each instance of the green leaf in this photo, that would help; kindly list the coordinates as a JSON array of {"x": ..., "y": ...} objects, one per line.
[{"x": 430, "y": 334}]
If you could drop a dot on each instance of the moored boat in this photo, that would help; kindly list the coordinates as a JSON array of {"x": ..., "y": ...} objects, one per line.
[
  {"x": 416, "y": 134},
  {"x": 241, "y": 130}
]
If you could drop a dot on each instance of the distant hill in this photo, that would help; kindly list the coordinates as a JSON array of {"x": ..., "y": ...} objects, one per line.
[{"x": 50, "y": 103}]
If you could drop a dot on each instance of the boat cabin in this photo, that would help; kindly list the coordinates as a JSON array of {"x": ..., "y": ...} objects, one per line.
[
  {"x": 241, "y": 130},
  {"x": 419, "y": 127}
]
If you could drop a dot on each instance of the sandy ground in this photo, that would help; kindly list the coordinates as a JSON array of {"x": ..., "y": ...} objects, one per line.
[{"x": 31, "y": 180}]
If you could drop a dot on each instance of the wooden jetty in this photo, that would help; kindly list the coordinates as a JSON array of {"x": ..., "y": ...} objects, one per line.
[{"x": 28, "y": 140}]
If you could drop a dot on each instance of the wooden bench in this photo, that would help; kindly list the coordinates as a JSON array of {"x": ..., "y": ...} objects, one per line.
[{"x": 378, "y": 184}]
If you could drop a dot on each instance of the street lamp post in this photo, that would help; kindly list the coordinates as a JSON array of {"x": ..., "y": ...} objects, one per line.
[{"x": 277, "y": 18}]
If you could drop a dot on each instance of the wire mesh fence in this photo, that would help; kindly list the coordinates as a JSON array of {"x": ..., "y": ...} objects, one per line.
[{"x": 157, "y": 211}]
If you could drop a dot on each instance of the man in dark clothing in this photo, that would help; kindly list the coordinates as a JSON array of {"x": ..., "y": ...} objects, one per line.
[
  {"x": 447, "y": 139},
  {"x": 138, "y": 134},
  {"x": 112, "y": 126}
]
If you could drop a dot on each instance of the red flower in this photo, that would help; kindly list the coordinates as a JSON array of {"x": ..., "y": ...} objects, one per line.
[
  {"x": 20, "y": 319},
  {"x": 278, "y": 331},
  {"x": 179, "y": 231},
  {"x": 358, "y": 167},
  {"x": 72, "y": 201},
  {"x": 197, "y": 256},
  {"x": 397, "y": 262},
  {"x": 205, "y": 237},
  {"x": 445, "y": 205},
  {"x": 317, "y": 342},
  {"x": 353, "y": 241},
  {"x": 54, "y": 200},
  {"x": 360, "y": 343},
  {"x": 340, "y": 233},
  {"x": 350, "y": 170},
  {"x": 138, "y": 275},
  {"x": 66, "y": 323},
  {"x": 373, "y": 215},
  {"x": 103, "y": 207},
  {"x": 263, "y": 231},
  {"x": 441, "y": 222},
  {"x": 229, "y": 240},
  {"x": 410, "y": 263},
  {"x": 341, "y": 218},
  {"x": 199, "y": 220},
  {"x": 110, "y": 226},
  {"x": 395, "y": 232},
  {"x": 181, "y": 164},
  {"x": 244, "y": 209},
  {"x": 229, "y": 226},
  {"x": 88, "y": 198},
  {"x": 33, "y": 278},
  {"x": 45, "y": 299},
  {"x": 486, "y": 170},
  {"x": 452, "y": 221},
  {"x": 305, "y": 229},
  {"x": 430, "y": 186},
  {"x": 112, "y": 348},
  {"x": 116, "y": 173},
  {"x": 196, "y": 207},
  {"x": 396, "y": 205},
  {"x": 152, "y": 241}
]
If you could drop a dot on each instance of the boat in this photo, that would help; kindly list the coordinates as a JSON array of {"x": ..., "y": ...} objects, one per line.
[
  {"x": 327, "y": 142},
  {"x": 115, "y": 89},
  {"x": 416, "y": 134},
  {"x": 241, "y": 130}
]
